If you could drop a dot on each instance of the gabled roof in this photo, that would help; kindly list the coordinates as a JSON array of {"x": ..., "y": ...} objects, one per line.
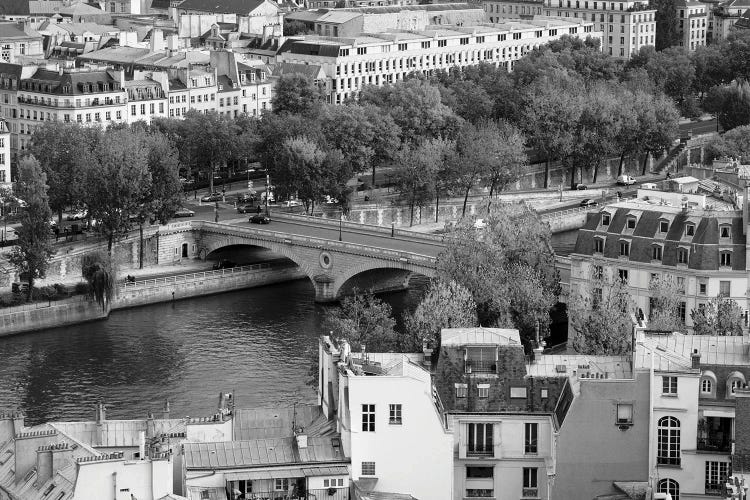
[
  {"x": 240, "y": 7},
  {"x": 479, "y": 336}
]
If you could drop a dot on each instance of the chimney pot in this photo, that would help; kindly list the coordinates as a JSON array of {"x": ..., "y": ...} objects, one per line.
[{"x": 695, "y": 358}]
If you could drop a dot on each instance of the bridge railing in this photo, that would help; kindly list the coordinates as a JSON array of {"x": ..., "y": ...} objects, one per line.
[
  {"x": 357, "y": 225},
  {"x": 566, "y": 212},
  {"x": 291, "y": 239},
  {"x": 183, "y": 278}
]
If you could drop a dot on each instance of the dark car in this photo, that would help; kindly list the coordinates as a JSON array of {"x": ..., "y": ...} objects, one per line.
[
  {"x": 260, "y": 219},
  {"x": 246, "y": 209},
  {"x": 224, "y": 264},
  {"x": 581, "y": 187},
  {"x": 245, "y": 198},
  {"x": 212, "y": 197},
  {"x": 184, "y": 212},
  {"x": 588, "y": 202}
]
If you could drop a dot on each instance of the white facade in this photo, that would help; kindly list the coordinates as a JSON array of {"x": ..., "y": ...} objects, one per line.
[
  {"x": 692, "y": 20},
  {"x": 378, "y": 59},
  {"x": 4, "y": 153}
]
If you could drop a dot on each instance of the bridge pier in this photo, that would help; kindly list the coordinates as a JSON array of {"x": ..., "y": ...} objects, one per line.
[{"x": 324, "y": 288}]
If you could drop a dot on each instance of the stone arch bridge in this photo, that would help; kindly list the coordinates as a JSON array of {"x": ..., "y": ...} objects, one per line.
[{"x": 369, "y": 257}]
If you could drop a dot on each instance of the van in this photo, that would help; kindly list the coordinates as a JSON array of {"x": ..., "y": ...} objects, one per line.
[{"x": 625, "y": 180}]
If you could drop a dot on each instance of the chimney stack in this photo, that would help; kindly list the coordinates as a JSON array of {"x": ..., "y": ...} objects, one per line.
[
  {"x": 101, "y": 413},
  {"x": 166, "y": 411},
  {"x": 696, "y": 359}
]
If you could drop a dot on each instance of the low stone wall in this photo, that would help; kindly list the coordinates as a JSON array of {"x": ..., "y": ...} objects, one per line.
[
  {"x": 164, "y": 290},
  {"x": 50, "y": 315}
]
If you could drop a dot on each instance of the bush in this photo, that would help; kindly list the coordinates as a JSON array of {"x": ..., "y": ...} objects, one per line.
[
  {"x": 82, "y": 288},
  {"x": 48, "y": 293},
  {"x": 61, "y": 289}
]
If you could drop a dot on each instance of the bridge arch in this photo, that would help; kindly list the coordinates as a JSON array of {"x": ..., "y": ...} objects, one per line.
[{"x": 400, "y": 272}]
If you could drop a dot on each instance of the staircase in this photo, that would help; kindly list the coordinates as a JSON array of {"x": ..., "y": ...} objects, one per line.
[{"x": 670, "y": 160}]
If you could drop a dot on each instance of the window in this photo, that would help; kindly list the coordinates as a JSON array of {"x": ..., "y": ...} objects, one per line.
[
  {"x": 724, "y": 288},
  {"x": 368, "y": 418},
  {"x": 663, "y": 226},
  {"x": 530, "y": 484},
  {"x": 669, "y": 486},
  {"x": 716, "y": 476},
  {"x": 656, "y": 251},
  {"x": 475, "y": 472},
  {"x": 623, "y": 275},
  {"x": 706, "y": 386},
  {"x": 624, "y": 248},
  {"x": 531, "y": 431},
  {"x": 724, "y": 231},
  {"x": 480, "y": 439},
  {"x": 624, "y": 414},
  {"x": 517, "y": 392},
  {"x": 598, "y": 245},
  {"x": 402, "y": 46},
  {"x": 483, "y": 390},
  {"x": 204, "y": 495},
  {"x": 682, "y": 255},
  {"x": 702, "y": 288},
  {"x": 281, "y": 484},
  {"x": 725, "y": 258},
  {"x": 394, "y": 414},
  {"x": 544, "y": 393},
  {"x": 597, "y": 272},
  {"x": 669, "y": 385},
  {"x": 630, "y": 223},
  {"x": 368, "y": 468},
  {"x": 461, "y": 390},
  {"x": 689, "y": 229},
  {"x": 681, "y": 310},
  {"x": 735, "y": 381},
  {"x": 668, "y": 444},
  {"x": 464, "y": 41}
]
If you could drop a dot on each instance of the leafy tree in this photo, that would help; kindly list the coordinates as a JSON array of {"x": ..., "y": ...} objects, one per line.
[
  {"x": 731, "y": 104},
  {"x": 121, "y": 176},
  {"x": 31, "y": 254},
  {"x": 99, "y": 272},
  {"x": 666, "y": 23},
  {"x": 734, "y": 143},
  {"x": 364, "y": 320},
  {"x": 659, "y": 127},
  {"x": 63, "y": 151},
  {"x": 710, "y": 66},
  {"x": 470, "y": 101},
  {"x": 600, "y": 316},
  {"x": 720, "y": 316},
  {"x": 672, "y": 72},
  {"x": 299, "y": 173},
  {"x": 508, "y": 268},
  {"x": 665, "y": 302},
  {"x": 511, "y": 156},
  {"x": 211, "y": 139},
  {"x": 296, "y": 94},
  {"x": 445, "y": 305},
  {"x": 415, "y": 179},
  {"x": 292, "y": 28},
  {"x": 736, "y": 50}
]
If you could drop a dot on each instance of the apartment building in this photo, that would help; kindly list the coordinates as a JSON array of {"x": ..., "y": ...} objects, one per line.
[
  {"x": 5, "y": 157},
  {"x": 670, "y": 234},
  {"x": 722, "y": 17},
  {"x": 626, "y": 26},
  {"x": 388, "y": 57},
  {"x": 692, "y": 20},
  {"x": 390, "y": 421},
  {"x": 18, "y": 41}
]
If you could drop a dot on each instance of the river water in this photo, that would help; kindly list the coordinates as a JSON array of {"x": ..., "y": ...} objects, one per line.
[{"x": 256, "y": 342}]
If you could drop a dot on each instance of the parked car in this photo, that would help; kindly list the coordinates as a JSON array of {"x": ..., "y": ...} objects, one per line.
[
  {"x": 581, "y": 187},
  {"x": 480, "y": 224},
  {"x": 77, "y": 215},
  {"x": 246, "y": 209},
  {"x": 212, "y": 197},
  {"x": 292, "y": 203},
  {"x": 224, "y": 264},
  {"x": 183, "y": 212},
  {"x": 588, "y": 202},
  {"x": 245, "y": 198},
  {"x": 260, "y": 219},
  {"x": 625, "y": 180}
]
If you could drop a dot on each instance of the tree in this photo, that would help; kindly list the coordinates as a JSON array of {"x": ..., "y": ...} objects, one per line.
[
  {"x": 31, "y": 254},
  {"x": 720, "y": 316},
  {"x": 672, "y": 72},
  {"x": 415, "y": 180},
  {"x": 300, "y": 172},
  {"x": 211, "y": 139},
  {"x": 665, "y": 303},
  {"x": 730, "y": 104},
  {"x": 99, "y": 272},
  {"x": 445, "y": 305},
  {"x": 296, "y": 94},
  {"x": 511, "y": 156},
  {"x": 734, "y": 144},
  {"x": 601, "y": 318},
  {"x": 64, "y": 151},
  {"x": 121, "y": 176},
  {"x": 666, "y": 23},
  {"x": 710, "y": 66},
  {"x": 363, "y": 320},
  {"x": 659, "y": 127},
  {"x": 508, "y": 268},
  {"x": 470, "y": 101}
]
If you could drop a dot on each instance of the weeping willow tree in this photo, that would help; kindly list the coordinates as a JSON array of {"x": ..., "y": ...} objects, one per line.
[{"x": 98, "y": 271}]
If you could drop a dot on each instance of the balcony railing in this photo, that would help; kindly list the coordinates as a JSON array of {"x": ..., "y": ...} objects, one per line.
[
  {"x": 480, "y": 451},
  {"x": 476, "y": 366},
  {"x": 715, "y": 489},
  {"x": 715, "y": 443},
  {"x": 668, "y": 460},
  {"x": 530, "y": 493}
]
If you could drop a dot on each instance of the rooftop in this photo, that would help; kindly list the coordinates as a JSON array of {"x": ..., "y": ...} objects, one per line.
[
  {"x": 265, "y": 423},
  {"x": 581, "y": 365},
  {"x": 674, "y": 350},
  {"x": 453, "y": 337},
  {"x": 240, "y": 7}
]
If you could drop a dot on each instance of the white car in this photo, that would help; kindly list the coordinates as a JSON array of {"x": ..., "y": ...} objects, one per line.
[
  {"x": 480, "y": 224},
  {"x": 625, "y": 180}
]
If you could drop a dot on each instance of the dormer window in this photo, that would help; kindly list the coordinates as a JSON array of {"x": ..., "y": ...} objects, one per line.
[
  {"x": 656, "y": 252},
  {"x": 725, "y": 231},
  {"x": 663, "y": 226},
  {"x": 735, "y": 381},
  {"x": 624, "y": 248},
  {"x": 682, "y": 255},
  {"x": 708, "y": 384},
  {"x": 481, "y": 360},
  {"x": 606, "y": 218},
  {"x": 725, "y": 258},
  {"x": 598, "y": 245},
  {"x": 630, "y": 223},
  {"x": 483, "y": 390},
  {"x": 689, "y": 229},
  {"x": 461, "y": 390}
]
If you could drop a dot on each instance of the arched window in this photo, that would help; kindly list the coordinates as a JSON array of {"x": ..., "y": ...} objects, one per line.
[
  {"x": 668, "y": 450},
  {"x": 734, "y": 381},
  {"x": 669, "y": 486},
  {"x": 706, "y": 386}
]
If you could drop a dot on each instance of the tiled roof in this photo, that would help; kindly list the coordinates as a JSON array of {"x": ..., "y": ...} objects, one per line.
[
  {"x": 479, "y": 336},
  {"x": 260, "y": 452},
  {"x": 241, "y": 7}
]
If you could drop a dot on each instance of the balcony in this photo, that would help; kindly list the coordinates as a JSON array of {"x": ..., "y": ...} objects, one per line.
[
  {"x": 479, "y": 451},
  {"x": 716, "y": 444},
  {"x": 479, "y": 366},
  {"x": 530, "y": 493},
  {"x": 714, "y": 435}
]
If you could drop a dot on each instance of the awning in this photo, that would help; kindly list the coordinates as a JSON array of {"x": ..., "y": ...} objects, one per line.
[
  {"x": 264, "y": 474},
  {"x": 340, "y": 470},
  {"x": 719, "y": 413}
]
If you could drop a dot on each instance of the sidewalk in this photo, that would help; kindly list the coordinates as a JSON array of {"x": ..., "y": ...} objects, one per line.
[{"x": 155, "y": 271}]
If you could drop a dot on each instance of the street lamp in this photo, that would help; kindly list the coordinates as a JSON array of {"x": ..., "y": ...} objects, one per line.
[
  {"x": 268, "y": 186},
  {"x": 341, "y": 222}
]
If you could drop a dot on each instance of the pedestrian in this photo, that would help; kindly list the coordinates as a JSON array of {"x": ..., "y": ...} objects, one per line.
[
  {"x": 259, "y": 210},
  {"x": 195, "y": 194},
  {"x": 216, "y": 212},
  {"x": 65, "y": 232},
  {"x": 668, "y": 175},
  {"x": 57, "y": 233}
]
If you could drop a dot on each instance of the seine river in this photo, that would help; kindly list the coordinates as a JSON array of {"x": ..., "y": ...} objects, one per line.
[{"x": 256, "y": 342}]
